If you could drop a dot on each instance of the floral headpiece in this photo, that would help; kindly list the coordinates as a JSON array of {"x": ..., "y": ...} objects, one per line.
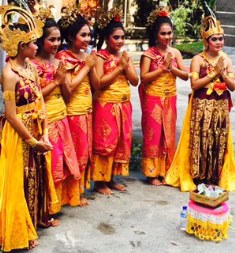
[
  {"x": 159, "y": 12},
  {"x": 70, "y": 17},
  {"x": 9, "y": 33},
  {"x": 104, "y": 18},
  {"x": 44, "y": 14},
  {"x": 209, "y": 27}
]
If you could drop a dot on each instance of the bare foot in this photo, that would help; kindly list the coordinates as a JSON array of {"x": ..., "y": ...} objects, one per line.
[
  {"x": 102, "y": 188},
  {"x": 116, "y": 186},
  {"x": 83, "y": 202},
  {"x": 54, "y": 222},
  {"x": 33, "y": 244},
  {"x": 154, "y": 181}
]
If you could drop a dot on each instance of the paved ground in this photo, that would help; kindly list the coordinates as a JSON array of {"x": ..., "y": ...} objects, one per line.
[{"x": 142, "y": 220}]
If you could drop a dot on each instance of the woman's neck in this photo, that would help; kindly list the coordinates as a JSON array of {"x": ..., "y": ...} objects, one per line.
[
  {"x": 45, "y": 56},
  {"x": 113, "y": 52},
  {"x": 212, "y": 54},
  {"x": 20, "y": 61},
  {"x": 162, "y": 48}
]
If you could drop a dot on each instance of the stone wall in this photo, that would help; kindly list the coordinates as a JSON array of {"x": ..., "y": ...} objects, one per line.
[{"x": 225, "y": 12}]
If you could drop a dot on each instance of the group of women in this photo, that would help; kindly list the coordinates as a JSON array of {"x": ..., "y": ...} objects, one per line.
[{"x": 68, "y": 115}]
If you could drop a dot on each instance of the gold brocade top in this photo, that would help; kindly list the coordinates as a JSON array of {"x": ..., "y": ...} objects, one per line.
[
  {"x": 119, "y": 89},
  {"x": 217, "y": 84},
  {"x": 81, "y": 99},
  {"x": 27, "y": 93},
  {"x": 55, "y": 105},
  {"x": 165, "y": 84}
]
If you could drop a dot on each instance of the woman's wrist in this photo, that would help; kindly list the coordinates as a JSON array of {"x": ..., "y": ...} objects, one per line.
[
  {"x": 32, "y": 142},
  {"x": 212, "y": 75}
]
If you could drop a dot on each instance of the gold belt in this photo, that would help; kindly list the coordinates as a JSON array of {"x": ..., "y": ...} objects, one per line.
[{"x": 26, "y": 108}]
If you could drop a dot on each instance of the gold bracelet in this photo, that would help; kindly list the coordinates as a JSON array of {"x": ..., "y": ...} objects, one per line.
[
  {"x": 45, "y": 131},
  {"x": 32, "y": 142},
  {"x": 212, "y": 75}
]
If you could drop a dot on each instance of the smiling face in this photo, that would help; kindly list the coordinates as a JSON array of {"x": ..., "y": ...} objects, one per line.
[
  {"x": 116, "y": 40},
  {"x": 83, "y": 38},
  {"x": 52, "y": 41},
  {"x": 216, "y": 42},
  {"x": 165, "y": 35}
]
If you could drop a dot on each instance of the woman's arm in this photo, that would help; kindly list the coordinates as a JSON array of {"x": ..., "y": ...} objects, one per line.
[
  {"x": 107, "y": 79},
  {"x": 95, "y": 80},
  {"x": 196, "y": 81},
  {"x": 228, "y": 75},
  {"x": 10, "y": 80},
  {"x": 181, "y": 71},
  {"x": 145, "y": 75},
  {"x": 131, "y": 73}
]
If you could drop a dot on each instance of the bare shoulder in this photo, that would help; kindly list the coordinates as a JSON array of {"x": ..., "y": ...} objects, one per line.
[
  {"x": 197, "y": 58},
  {"x": 9, "y": 78}
]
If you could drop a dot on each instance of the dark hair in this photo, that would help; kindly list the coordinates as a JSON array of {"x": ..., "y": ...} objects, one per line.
[
  {"x": 107, "y": 31},
  {"x": 50, "y": 22},
  {"x": 72, "y": 30},
  {"x": 153, "y": 30}
]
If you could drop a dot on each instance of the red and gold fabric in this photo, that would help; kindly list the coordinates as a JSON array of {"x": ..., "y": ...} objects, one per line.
[
  {"x": 113, "y": 125},
  {"x": 63, "y": 157},
  {"x": 159, "y": 114},
  {"x": 205, "y": 150},
  {"x": 79, "y": 110},
  {"x": 26, "y": 184}
]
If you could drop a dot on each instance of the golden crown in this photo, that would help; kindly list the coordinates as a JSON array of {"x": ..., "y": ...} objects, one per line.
[
  {"x": 104, "y": 18},
  {"x": 210, "y": 26},
  {"x": 8, "y": 33},
  {"x": 163, "y": 11}
]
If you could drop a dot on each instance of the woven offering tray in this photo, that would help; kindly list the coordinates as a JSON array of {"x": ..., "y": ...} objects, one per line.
[{"x": 208, "y": 201}]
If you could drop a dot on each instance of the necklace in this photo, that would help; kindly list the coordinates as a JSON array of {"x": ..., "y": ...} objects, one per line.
[
  {"x": 28, "y": 71},
  {"x": 211, "y": 60}
]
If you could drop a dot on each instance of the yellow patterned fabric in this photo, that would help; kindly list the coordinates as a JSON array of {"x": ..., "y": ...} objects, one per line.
[
  {"x": 208, "y": 223},
  {"x": 81, "y": 100},
  {"x": 16, "y": 228},
  {"x": 163, "y": 86},
  {"x": 207, "y": 230},
  {"x": 106, "y": 168},
  {"x": 118, "y": 91},
  {"x": 54, "y": 102}
]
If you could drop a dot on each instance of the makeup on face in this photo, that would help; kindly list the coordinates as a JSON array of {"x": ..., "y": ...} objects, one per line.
[{"x": 220, "y": 38}]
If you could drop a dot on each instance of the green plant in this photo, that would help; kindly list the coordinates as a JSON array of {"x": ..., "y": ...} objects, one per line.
[
  {"x": 136, "y": 154},
  {"x": 180, "y": 17},
  {"x": 190, "y": 48}
]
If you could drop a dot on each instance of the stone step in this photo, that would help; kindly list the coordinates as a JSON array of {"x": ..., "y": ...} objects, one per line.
[
  {"x": 229, "y": 30},
  {"x": 226, "y": 18},
  {"x": 225, "y": 5},
  {"x": 230, "y": 40}
]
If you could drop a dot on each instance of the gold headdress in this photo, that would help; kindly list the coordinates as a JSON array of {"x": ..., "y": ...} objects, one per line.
[
  {"x": 44, "y": 14},
  {"x": 9, "y": 33},
  {"x": 104, "y": 18},
  {"x": 209, "y": 27},
  {"x": 163, "y": 11},
  {"x": 70, "y": 17}
]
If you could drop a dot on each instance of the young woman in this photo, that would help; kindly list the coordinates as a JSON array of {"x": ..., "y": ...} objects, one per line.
[
  {"x": 80, "y": 78},
  {"x": 52, "y": 72},
  {"x": 160, "y": 65},
  {"x": 112, "y": 107},
  {"x": 26, "y": 185},
  {"x": 205, "y": 151}
]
